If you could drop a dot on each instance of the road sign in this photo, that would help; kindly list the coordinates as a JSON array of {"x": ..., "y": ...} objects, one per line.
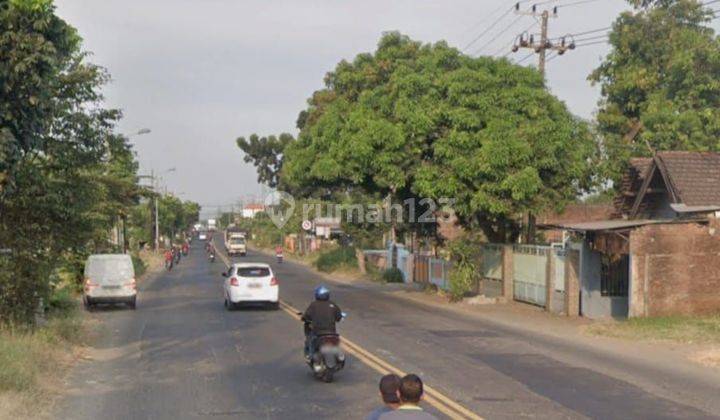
[{"x": 306, "y": 225}]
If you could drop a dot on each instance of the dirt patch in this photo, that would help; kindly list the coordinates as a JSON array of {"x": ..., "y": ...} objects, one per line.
[{"x": 709, "y": 357}]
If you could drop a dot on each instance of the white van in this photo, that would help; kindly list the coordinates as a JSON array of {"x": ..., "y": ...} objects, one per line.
[{"x": 109, "y": 278}]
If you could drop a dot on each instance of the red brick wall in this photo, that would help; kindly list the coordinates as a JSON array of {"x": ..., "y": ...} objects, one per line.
[
  {"x": 574, "y": 213},
  {"x": 675, "y": 270}
]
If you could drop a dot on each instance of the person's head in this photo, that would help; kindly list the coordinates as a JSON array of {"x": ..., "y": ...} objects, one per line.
[
  {"x": 322, "y": 293},
  {"x": 411, "y": 389},
  {"x": 389, "y": 386}
]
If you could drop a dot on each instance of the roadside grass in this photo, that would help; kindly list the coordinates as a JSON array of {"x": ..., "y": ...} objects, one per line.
[
  {"x": 678, "y": 329},
  {"x": 32, "y": 360},
  {"x": 337, "y": 259}
]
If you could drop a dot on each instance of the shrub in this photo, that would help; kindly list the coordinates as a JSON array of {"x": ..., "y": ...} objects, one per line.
[
  {"x": 139, "y": 265},
  {"x": 337, "y": 258},
  {"x": 393, "y": 275},
  {"x": 461, "y": 280},
  {"x": 62, "y": 300}
]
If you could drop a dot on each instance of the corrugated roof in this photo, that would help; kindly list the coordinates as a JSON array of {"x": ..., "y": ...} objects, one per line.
[{"x": 614, "y": 224}]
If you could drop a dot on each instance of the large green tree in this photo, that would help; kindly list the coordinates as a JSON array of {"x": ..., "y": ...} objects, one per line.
[
  {"x": 266, "y": 154},
  {"x": 65, "y": 178},
  {"x": 414, "y": 120},
  {"x": 660, "y": 82}
]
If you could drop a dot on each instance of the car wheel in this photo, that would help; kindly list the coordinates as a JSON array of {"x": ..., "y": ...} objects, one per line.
[
  {"x": 275, "y": 305},
  {"x": 229, "y": 305},
  {"x": 133, "y": 303},
  {"x": 88, "y": 305}
]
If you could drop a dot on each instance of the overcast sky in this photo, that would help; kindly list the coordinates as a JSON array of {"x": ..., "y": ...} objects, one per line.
[{"x": 200, "y": 73}]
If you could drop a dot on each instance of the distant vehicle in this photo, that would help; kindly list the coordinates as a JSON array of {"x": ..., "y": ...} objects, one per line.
[
  {"x": 236, "y": 245},
  {"x": 109, "y": 278},
  {"x": 250, "y": 283},
  {"x": 212, "y": 224},
  {"x": 202, "y": 236},
  {"x": 233, "y": 230}
]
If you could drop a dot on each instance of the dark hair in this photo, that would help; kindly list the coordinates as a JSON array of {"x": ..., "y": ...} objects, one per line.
[
  {"x": 411, "y": 388},
  {"x": 389, "y": 385}
]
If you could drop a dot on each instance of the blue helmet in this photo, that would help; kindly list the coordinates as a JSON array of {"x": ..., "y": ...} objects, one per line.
[{"x": 322, "y": 293}]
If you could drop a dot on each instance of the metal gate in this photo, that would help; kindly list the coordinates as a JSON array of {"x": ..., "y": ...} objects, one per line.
[
  {"x": 422, "y": 268},
  {"x": 439, "y": 273},
  {"x": 530, "y": 273}
]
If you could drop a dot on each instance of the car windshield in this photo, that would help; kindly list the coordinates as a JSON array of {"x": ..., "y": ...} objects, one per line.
[
  {"x": 109, "y": 269},
  {"x": 253, "y": 271},
  {"x": 237, "y": 241}
]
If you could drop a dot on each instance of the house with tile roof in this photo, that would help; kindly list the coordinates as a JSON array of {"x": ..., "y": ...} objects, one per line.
[
  {"x": 670, "y": 185},
  {"x": 659, "y": 253}
]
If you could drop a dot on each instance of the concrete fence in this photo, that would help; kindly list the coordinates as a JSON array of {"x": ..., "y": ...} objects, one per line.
[{"x": 541, "y": 275}]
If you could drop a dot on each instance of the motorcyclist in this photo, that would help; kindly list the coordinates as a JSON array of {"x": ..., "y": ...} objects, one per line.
[
  {"x": 279, "y": 253},
  {"x": 211, "y": 253},
  {"x": 320, "y": 318},
  {"x": 169, "y": 259},
  {"x": 185, "y": 248}
]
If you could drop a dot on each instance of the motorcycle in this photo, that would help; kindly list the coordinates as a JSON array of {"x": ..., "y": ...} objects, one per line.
[
  {"x": 279, "y": 258},
  {"x": 211, "y": 257},
  {"x": 327, "y": 358}
]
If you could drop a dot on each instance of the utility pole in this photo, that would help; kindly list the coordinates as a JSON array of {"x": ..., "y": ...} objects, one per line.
[{"x": 541, "y": 47}]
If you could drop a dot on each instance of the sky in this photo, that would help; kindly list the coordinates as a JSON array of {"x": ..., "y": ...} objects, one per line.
[{"x": 200, "y": 73}]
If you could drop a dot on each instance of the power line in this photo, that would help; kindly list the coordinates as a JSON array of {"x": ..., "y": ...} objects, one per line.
[
  {"x": 576, "y": 3},
  {"x": 499, "y": 34},
  {"x": 488, "y": 29},
  {"x": 605, "y": 41},
  {"x": 525, "y": 58},
  {"x": 592, "y": 31},
  {"x": 486, "y": 19},
  {"x": 590, "y": 38}
]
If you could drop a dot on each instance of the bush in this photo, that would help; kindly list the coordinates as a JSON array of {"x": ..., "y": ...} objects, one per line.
[
  {"x": 337, "y": 258},
  {"x": 62, "y": 301},
  {"x": 139, "y": 265},
  {"x": 393, "y": 275},
  {"x": 461, "y": 280}
]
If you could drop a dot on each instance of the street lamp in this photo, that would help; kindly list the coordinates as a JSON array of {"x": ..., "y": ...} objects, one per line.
[
  {"x": 139, "y": 132},
  {"x": 155, "y": 188}
]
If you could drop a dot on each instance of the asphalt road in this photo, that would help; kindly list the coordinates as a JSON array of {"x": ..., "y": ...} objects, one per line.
[{"x": 180, "y": 355}]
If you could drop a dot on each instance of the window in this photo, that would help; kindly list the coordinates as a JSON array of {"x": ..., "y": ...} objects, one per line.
[
  {"x": 614, "y": 275},
  {"x": 253, "y": 271}
]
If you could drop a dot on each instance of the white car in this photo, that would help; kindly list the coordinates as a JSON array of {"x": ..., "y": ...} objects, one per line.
[
  {"x": 202, "y": 236},
  {"x": 109, "y": 278},
  {"x": 250, "y": 283}
]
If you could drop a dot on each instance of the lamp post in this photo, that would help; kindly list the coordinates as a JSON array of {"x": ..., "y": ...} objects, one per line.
[
  {"x": 140, "y": 132},
  {"x": 155, "y": 188}
]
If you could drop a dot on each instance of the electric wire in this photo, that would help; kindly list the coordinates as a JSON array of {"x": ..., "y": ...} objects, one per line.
[
  {"x": 576, "y": 3},
  {"x": 488, "y": 29},
  {"x": 499, "y": 34}
]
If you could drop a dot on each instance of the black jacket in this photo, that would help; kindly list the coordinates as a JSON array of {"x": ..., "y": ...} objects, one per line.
[{"x": 322, "y": 316}]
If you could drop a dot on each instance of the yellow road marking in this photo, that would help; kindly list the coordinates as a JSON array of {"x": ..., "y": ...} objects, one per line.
[{"x": 432, "y": 396}]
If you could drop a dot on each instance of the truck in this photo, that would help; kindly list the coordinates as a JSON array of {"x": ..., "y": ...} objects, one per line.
[
  {"x": 236, "y": 244},
  {"x": 235, "y": 240},
  {"x": 211, "y": 225}
]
